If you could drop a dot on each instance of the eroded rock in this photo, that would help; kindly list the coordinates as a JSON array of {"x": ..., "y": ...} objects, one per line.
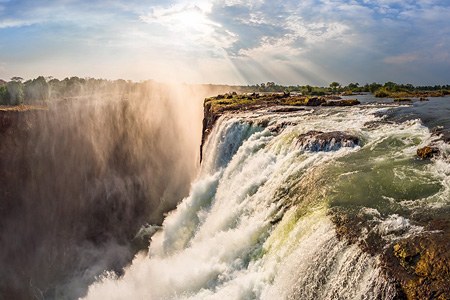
[
  {"x": 421, "y": 265},
  {"x": 427, "y": 152},
  {"x": 326, "y": 141}
]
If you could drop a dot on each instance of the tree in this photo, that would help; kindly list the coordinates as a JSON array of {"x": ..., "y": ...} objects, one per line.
[
  {"x": 334, "y": 85},
  {"x": 15, "y": 91},
  {"x": 36, "y": 90},
  {"x": 373, "y": 87},
  {"x": 353, "y": 86},
  {"x": 17, "y": 79},
  {"x": 4, "y": 95}
]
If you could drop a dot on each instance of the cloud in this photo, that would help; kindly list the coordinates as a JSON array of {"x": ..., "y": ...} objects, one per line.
[
  {"x": 255, "y": 40},
  {"x": 401, "y": 59}
]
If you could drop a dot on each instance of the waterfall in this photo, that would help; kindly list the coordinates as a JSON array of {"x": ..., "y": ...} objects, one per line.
[{"x": 259, "y": 220}]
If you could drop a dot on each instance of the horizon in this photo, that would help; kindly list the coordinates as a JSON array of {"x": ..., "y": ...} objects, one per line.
[{"x": 232, "y": 42}]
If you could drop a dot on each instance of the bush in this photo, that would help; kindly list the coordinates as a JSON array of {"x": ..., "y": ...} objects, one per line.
[
  {"x": 4, "y": 95},
  {"x": 382, "y": 93}
]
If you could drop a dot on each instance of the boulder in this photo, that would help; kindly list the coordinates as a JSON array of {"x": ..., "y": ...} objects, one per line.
[
  {"x": 402, "y": 100},
  {"x": 326, "y": 141},
  {"x": 342, "y": 102},
  {"x": 427, "y": 152},
  {"x": 315, "y": 101}
]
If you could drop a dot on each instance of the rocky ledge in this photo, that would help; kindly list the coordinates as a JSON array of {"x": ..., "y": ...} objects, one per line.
[
  {"x": 418, "y": 265},
  {"x": 214, "y": 107}
]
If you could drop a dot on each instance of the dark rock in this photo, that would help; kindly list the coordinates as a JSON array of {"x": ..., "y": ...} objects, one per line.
[
  {"x": 427, "y": 152},
  {"x": 423, "y": 99},
  {"x": 286, "y": 109},
  {"x": 314, "y": 101},
  {"x": 402, "y": 100},
  {"x": 421, "y": 266},
  {"x": 444, "y": 134},
  {"x": 209, "y": 118},
  {"x": 326, "y": 141},
  {"x": 280, "y": 126},
  {"x": 376, "y": 124},
  {"x": 343, "y": 102}
]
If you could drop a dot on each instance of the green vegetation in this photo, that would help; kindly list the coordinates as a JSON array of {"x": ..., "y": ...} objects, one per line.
[
  {"x": 234, "y": 101},
  {"x": 44, "y": 89},
  {"x": 388, "y": 89}
]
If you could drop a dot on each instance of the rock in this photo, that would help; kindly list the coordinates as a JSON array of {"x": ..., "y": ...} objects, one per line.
[
  {"x": 444, "y": 134},
  {"x": 402, "y": 100},
  {"x": 421, "y": 266},
  {"x": 423, "y": 99},
  {"x": 286, "y": 109},
  {"x": 326, "y": 141},
  {"x": 343, "y": 102},
  {"x": 209, "y": 119},
  {"x": 315, "y": 101},
  {"x": 427, "y": 152},
  {"x": 280, "y": 126}
]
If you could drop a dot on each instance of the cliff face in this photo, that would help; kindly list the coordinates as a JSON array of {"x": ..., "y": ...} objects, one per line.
[{"x": 209, "y": 119}]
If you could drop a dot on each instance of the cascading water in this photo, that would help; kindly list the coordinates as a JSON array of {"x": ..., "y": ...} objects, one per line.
[{"x": 259, "y": 222}]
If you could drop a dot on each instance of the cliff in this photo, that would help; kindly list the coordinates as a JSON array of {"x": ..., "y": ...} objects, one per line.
[{"x": 216, "y": 106}]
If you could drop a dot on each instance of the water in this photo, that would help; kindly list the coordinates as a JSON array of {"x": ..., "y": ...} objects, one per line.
[{"x": 258, "y": 223}]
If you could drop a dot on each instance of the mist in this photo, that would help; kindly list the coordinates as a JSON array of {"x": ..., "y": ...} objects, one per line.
[{"x": 80, "y": 178}]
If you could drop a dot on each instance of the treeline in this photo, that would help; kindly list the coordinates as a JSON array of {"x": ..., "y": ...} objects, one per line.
[
  {"x": 335, "y": 87},
  {"x": 44, "y": 89}
]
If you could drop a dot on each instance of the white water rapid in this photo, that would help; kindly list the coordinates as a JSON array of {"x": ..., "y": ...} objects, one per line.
[{"x": 256, "y": 224}]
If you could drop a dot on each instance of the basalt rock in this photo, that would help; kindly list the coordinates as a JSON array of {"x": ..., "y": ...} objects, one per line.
[
  {"x": 209, "y": 118},
  {"x": 421, "y": 266},
  {"x": 326, "y": 141},
  {"x": 343, "y": 102},
  {"x": 315, "y": 101},
  {"x": 427, "y": 152},
  {"x": 286, "y": 109},
  {"x": 402, "y": 100}
]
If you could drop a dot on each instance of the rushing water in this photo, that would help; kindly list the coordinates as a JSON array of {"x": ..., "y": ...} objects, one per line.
[{"x": 257, "y": 223}]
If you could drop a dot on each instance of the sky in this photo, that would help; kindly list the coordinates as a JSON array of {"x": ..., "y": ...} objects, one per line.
[{"x": 230, "y": 41}]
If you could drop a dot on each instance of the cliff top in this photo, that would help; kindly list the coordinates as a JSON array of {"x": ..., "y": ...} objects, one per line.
[
  {"x": 22, "y": 107},
  {"x": 233, "y": 101}
]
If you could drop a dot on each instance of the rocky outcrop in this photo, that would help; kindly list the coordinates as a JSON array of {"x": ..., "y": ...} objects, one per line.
[
  {"x": 214, "y": 107},
  {"x": 418, "y": 265},
  {"x": 209, "y": 118},
  {"x": 421, "y": 265},
  {"x": 427, "y": 152},
  {"x": 326, "y": 141},
  {"x": 342, "y": 102}
]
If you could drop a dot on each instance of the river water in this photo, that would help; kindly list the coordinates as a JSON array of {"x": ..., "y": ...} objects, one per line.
[{"x": 258, "y": 223}]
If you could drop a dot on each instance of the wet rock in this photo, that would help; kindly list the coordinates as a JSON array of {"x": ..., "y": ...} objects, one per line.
[
  {"x": 286, "y": 109},
  {"x": 315, "y": 101},
  {"x": 421, "y": 266},
  {"x": 277, "y": 128},
  {"x": 402, "y": 100},
  {"x": 427, "y": 152},
  {"x": 326, "y": 141},
  {"x": 377, "y": 124},
  {"x": 343, "y": 102},
  {"x": 423, "y": 99},
  {"x": 209, "y": 118},
  {"x": 444, "y": 134}
]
